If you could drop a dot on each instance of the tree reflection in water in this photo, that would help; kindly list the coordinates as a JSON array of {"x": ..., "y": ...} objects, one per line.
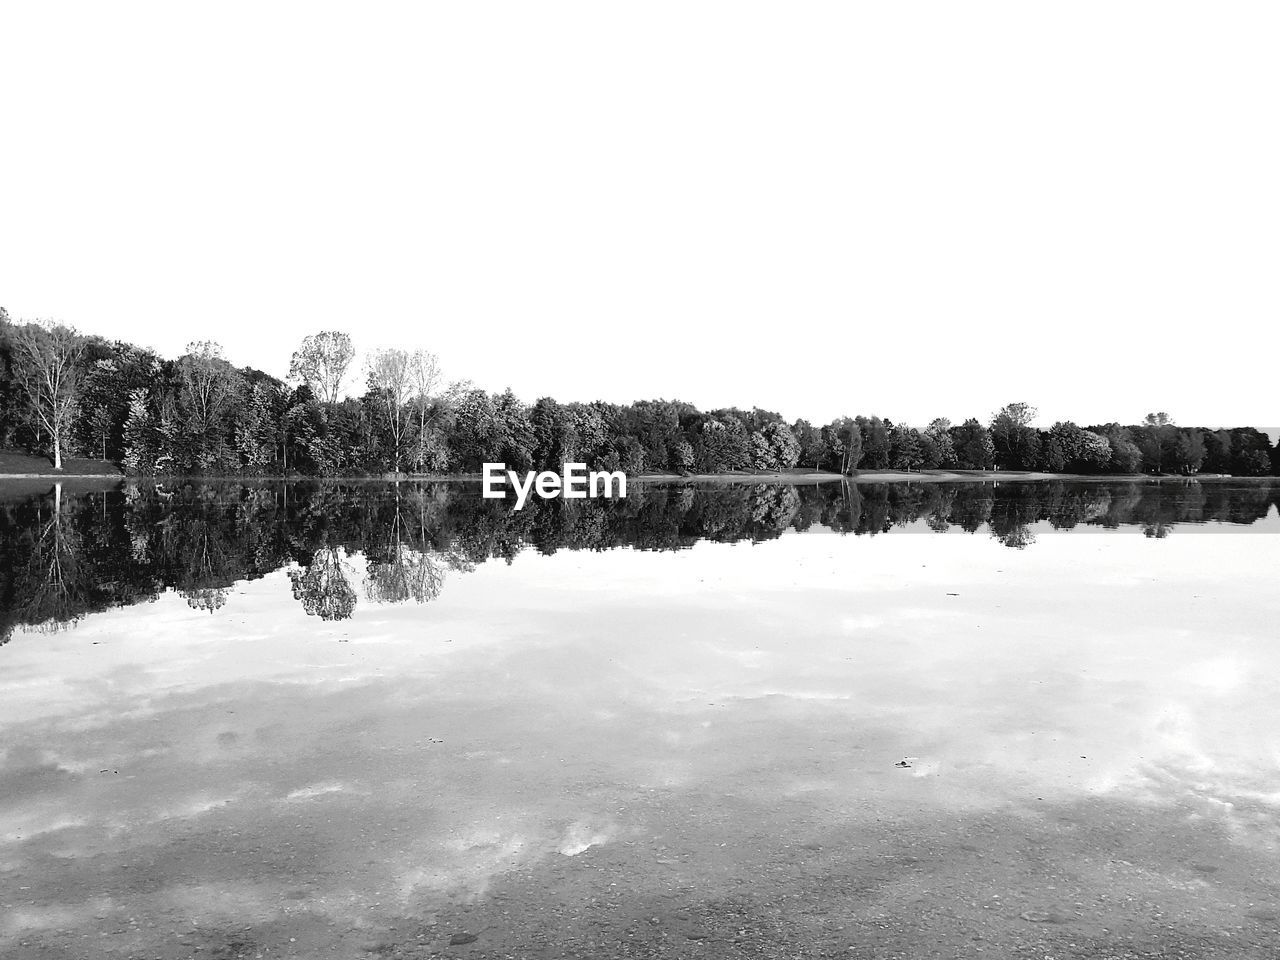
[
  {"x": 400, "y": 565},
  {"x": 69, "y": 554},
  {"x": 51, "y": 585},
  {"x": 322, "y": 586}
]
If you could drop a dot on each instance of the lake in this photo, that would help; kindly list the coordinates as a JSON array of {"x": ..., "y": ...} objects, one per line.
[{"x": 1035, "y": 719}]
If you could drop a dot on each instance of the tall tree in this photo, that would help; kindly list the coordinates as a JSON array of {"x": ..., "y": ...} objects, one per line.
[
  {"x": 1156, "y": 438},
  {"x": 1125, "y": 455},
  {"x": 1189, "y": 451},
  {"x": 47, "y": 355},
  {"x": 813, "y": 449},
  {"x": 424, "y": 383},
  {"x": 1016, "y": 442},
  {"x": 939, "y": 449},
  {"x": 849, "y": 445},
  {"x": 906, "y": 451},
  {"x": 774, "y": 447},
  {"x": 391, "y": 381},
  {"x": 208, "y": 388},
  {"x": 1018, "y": 414},
  {"x": 973, "y": 446},
  {"x": 322, "y": 362},
  {"x": 875, "y": 442},
  {"x": 1251, "y": 456},
  {"x": 139, "y": 435}
]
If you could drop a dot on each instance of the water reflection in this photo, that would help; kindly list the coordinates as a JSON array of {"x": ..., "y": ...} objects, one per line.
[
  {"x": 549, "y": 753},
  {"x": 70, "y": 555}
]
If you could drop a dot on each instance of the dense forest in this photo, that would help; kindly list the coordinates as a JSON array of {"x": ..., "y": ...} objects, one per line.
[
  {"x": 69, "y": 555},
  {"x": 66, "y": 394}
]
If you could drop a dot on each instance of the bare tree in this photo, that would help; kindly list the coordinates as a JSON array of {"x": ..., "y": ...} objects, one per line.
[
  {"x": 391, "y": 378},
  {"x": 322, "y": 363},
  {"x": 424, "y": 376},
  {"x": 47, "y": 355},
  {"x": 209, "y": 386}
]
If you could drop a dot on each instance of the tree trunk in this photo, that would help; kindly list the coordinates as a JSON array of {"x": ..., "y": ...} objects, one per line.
[
  {"x": 57, "y": 451},
  {"x": 422, "y": 436}
]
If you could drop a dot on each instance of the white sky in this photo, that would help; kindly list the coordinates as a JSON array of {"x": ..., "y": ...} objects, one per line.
[{"x": 909, "y": 209}]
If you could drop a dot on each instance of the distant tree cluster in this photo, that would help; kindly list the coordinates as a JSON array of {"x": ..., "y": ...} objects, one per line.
[{"x": 63, "y": 394}]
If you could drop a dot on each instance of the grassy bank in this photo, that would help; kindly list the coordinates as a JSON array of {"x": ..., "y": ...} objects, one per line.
[{"x": 15, "y": 464}]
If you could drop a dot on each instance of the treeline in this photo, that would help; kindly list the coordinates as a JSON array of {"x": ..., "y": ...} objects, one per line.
[
  {"x": 67, "y": 394},
  {"x": 67, "y": 555}
]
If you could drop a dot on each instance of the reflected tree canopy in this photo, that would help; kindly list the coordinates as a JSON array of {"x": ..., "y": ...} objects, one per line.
[
  {"x": 323, "y": 587},
  {"x": 66, "y": 555},
  {"x": 53, "y": 585}
]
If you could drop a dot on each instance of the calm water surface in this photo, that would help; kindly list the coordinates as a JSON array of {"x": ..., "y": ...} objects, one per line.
[{"x": 357, "y": 721}]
